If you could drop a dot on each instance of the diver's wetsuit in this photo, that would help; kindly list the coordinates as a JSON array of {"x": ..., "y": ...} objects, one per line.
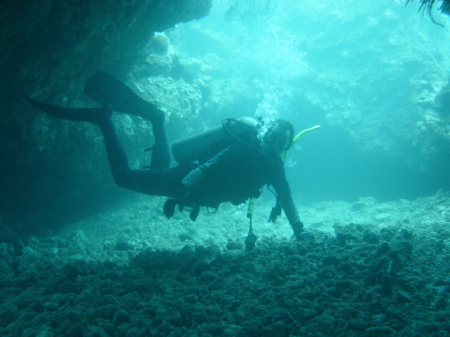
[
  {"x": 236, "y": 174},
  {"x": 233, "y": 175}
]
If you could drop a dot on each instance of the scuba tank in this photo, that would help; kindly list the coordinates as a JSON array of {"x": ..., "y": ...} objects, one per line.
[{"x": 204, "y": 145}]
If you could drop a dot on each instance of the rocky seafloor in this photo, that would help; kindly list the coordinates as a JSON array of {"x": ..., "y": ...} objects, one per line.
[{"x": 368, "y": 269}]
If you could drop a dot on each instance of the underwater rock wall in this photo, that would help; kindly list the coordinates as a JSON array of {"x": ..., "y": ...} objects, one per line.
[
  {"x": 380, "y": 85},
  {"x": 48, "y": 50}
]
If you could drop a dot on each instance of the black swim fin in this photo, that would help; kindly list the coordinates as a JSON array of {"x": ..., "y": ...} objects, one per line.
[
  {"x": 92, "y": 115},
  {"x": 106, "y": 89}
]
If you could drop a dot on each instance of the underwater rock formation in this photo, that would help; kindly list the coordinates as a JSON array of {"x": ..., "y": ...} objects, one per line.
[
  {"x": 368, "y": 278},
  {"x": 48, "y": 51},
  {"x": 442, "y": 99}
]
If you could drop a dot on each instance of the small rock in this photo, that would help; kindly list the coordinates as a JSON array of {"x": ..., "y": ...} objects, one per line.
[{"x": 121, "y": 317}]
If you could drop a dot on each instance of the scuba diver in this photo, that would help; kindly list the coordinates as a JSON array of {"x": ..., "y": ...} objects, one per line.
[{"x": 231, "y": 163}]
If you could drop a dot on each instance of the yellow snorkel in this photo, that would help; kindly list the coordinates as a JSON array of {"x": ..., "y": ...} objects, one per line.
[{"x": 298, "y": 136}]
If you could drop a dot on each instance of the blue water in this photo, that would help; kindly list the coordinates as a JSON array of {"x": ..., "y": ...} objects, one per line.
[{"x": 366, "y": 71}]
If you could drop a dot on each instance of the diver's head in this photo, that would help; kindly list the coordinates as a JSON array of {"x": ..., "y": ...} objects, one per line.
[{"x": 278, "y": 138}]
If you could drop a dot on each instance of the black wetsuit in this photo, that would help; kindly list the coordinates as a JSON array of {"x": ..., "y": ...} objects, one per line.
[{"x": 234, "y": 175}]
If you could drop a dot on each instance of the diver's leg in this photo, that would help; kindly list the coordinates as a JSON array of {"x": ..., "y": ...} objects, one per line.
[
  {"x": 108, "y": 90},
  {"x": 160, "y": 182},
  {"x": 154, "y": 182},
  {"x": 160, "y": 150}
]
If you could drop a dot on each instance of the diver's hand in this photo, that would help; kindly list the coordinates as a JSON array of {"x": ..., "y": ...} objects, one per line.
[
  {"x": 300, "y": 234},
  {"x": 305, "y": 236},
  {"x": 297, "y": 227}
]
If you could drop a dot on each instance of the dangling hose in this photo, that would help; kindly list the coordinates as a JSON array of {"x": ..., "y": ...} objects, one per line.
[
  {"x": 245, "y": 122},
  {"x": 251, "y": 238}
]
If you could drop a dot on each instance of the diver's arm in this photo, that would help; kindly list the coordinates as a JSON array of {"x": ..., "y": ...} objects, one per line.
[
  {"x": 283, "y": 191},
  {"x": 195, "y": 177},
  {"x": 181, "y": 194}
]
